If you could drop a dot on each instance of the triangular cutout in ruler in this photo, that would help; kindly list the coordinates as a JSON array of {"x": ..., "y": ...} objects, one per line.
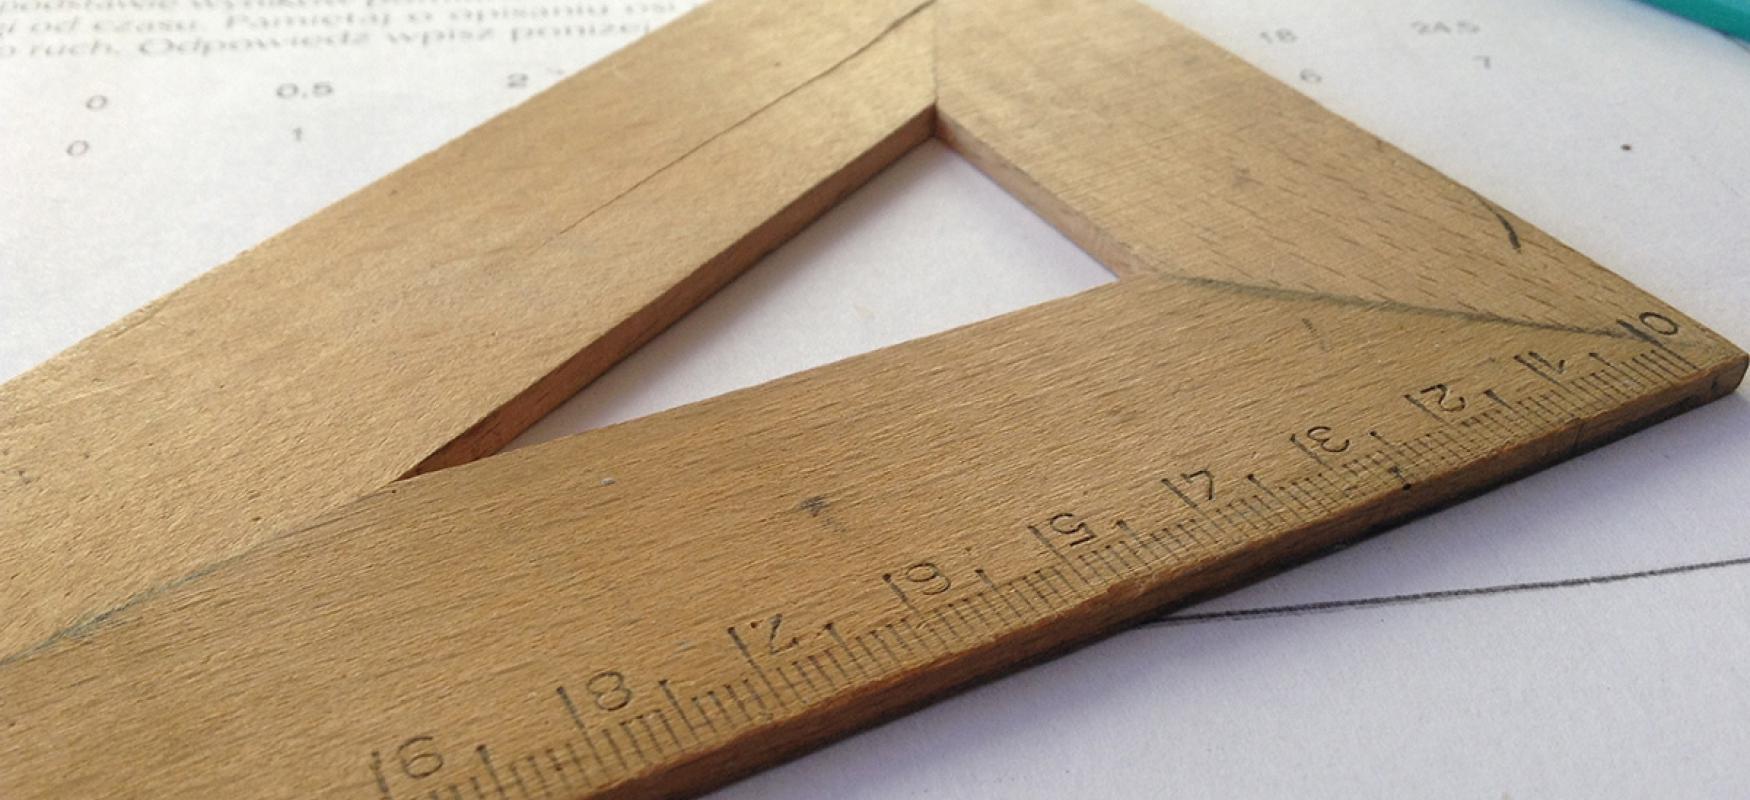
[
  {"x": 1314, "y": 335},
  {"x": 928, "y": 245}
]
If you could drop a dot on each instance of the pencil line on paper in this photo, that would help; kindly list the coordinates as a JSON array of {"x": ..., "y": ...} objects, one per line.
[{"x": 1442, "y": 595}]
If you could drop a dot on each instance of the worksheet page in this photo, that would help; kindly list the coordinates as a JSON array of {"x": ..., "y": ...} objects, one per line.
[{"x": 1583, "y": 632}]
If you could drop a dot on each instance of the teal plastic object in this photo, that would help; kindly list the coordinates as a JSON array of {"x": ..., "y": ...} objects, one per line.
[{"x": 1729, "y": 16}]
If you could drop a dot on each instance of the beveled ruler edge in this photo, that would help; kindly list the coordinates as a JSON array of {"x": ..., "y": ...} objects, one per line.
[
  {"x": 905, "y": 693},
  {"x": 1107, "y": 607},
  {"x": 1718, "y": 376}
]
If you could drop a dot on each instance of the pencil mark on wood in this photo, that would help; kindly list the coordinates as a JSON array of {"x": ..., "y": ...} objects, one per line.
[
  {"x": 1384, "y": 305},
  {"x": 709, "y": 140},
  {"x": 1506, "y": 225}
]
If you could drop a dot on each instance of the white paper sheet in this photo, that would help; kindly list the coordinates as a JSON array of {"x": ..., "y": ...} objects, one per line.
[{"x": 1581, "y": 633}]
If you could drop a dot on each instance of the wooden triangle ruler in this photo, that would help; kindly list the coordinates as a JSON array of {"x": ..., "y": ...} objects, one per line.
[{"x": 216, "y": 585}]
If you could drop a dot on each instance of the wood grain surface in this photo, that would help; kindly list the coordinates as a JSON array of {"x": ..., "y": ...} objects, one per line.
[
  {"x": 428, "y": 319},
  {"x": 217, "y": 586}
]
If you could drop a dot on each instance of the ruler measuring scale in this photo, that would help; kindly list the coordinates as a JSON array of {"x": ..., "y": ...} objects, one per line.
[
  {"x": 1313, "y": 335},
  {"x": 939, "y": 612}
]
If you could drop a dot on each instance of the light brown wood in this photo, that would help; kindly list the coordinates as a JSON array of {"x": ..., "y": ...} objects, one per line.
[
  {"x": 431, "y": 317},
  {"x": 1315, "y": 336},
  {"x": 1160, "y": 153}
]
